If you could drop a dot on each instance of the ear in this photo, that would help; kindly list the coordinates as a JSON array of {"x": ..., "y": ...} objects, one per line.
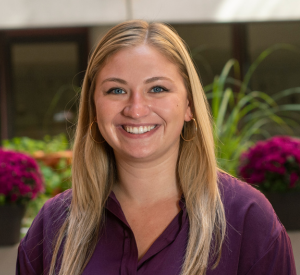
[{"x": 188, "y": 113}]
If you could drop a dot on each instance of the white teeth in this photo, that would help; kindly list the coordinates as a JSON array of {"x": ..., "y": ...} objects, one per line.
[
  {"x": 135, "y": 130},
  {"x": 138, "y": 130}
]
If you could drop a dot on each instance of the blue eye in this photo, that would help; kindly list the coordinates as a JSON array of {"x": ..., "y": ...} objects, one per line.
[
  {"x": 116, "y": 91},
  {"x": 158, "y": 89}
]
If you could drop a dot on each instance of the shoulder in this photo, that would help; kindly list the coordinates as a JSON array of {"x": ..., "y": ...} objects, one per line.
[
  {"x": 234, "y": 190},
  {"x": 245, "y": 205},
  {"x": 52, "y": 215},
  {"x": 241, "y": 201},
  {"x": 35, "y": 249},
  {"x": 253, "y": 228},
  {"x": 58, "y": 206}
]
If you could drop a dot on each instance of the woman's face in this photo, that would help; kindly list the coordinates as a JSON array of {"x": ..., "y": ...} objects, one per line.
[{"x": 141, "y": 104}]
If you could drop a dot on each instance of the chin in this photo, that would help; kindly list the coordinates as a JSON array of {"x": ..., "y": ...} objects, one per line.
[
  {"x": 137, "y": 154},
  {"x": 140, "y": 155}
]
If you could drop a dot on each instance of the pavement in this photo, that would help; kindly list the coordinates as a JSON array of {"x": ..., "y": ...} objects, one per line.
[{"x": 8, "y": 255}]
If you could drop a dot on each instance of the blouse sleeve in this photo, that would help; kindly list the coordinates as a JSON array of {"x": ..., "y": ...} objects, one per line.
[
  {"x": 277, "y": 260},
  {"x": 256, "y": 241},
  {"x": 36, "y": 248},
  {"x": 30, "y": 251},
  {"x": 24, "y": 266}
]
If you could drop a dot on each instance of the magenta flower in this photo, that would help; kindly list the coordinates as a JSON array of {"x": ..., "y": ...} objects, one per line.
[
  {"x": 273, "y": 165},
  {"x": 20, "y": 178}
]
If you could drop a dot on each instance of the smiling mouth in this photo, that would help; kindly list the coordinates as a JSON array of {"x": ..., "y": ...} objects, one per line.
[{"x": 138, "y": 130}]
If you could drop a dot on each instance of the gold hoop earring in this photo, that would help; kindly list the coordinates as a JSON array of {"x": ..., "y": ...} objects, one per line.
[
  {"x": 196, "y": 128},
  {"x": 91, "y": 134}
]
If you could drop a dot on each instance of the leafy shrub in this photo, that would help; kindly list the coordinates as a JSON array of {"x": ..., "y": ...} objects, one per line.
[{"x": 30, "y": 146}]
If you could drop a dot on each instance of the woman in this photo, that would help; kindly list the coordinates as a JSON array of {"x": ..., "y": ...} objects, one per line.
[{"x": 147, "y": 197}]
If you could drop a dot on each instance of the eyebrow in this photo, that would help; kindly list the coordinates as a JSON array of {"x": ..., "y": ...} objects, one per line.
[
  {"x": 147, "y": 81},
  {"x": 153, "y": 79},
  {"x": 114, "y": 79}
]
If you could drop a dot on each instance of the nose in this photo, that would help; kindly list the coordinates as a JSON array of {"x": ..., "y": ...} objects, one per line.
[{"x": 137, "y": 106}]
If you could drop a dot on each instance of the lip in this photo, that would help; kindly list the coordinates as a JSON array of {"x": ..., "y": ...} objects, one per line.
[
  {"x": 138, "y": 136},
  {"x": 138, "y": 125}
]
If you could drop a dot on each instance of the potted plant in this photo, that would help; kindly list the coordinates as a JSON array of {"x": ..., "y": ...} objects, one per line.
[
  {"x": 273, "y": 166},
  {"x": 240, "y": 114},
  {"x": 53, "y": 157},
  {"x": 20, "y": 182}
]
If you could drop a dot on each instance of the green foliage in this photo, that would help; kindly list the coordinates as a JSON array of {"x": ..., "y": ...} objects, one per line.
[
  {"x": 241, "y": 115},
  {"x": 57, "y": 179},
  {"x": 28, "y": 145},
  {"x": 2, "y": 199}
]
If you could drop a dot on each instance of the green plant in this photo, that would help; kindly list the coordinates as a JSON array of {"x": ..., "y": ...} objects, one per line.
[
  {"x": 56, "y": 179},
  {"x": 239, "y": 116},
  {"x": 30, "y": 146}
]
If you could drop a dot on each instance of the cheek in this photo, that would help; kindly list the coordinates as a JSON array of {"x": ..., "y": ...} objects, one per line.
[
  {"x": 105, "y": 114},
  {"x": 101, "y": 109},
  {"x": 105, "y": 108},
  {"x": 172, "y": 110}
]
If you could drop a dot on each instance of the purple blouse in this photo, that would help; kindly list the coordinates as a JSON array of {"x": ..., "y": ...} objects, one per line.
[{"x": 256, "y": 242}]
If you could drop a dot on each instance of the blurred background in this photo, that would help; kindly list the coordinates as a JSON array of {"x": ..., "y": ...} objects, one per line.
[
  {"x": 45, "y": 47},
  {"x": 44, "y": 50}
]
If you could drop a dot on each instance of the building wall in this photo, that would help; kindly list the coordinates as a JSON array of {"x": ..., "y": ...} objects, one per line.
[{"x": 74, "y": 13}]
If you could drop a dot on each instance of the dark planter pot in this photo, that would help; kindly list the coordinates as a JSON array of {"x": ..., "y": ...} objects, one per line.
[
  {"x": 10, "y": 223},
  {"x": 287, "y": 208}
]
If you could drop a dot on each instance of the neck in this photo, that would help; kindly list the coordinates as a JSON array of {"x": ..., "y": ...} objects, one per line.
[{"x": 147, "y": 182}]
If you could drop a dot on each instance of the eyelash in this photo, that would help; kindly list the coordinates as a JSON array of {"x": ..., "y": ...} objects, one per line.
[
  {"x": 111, "y": 91},
  {"x": 163, "y": 89}
]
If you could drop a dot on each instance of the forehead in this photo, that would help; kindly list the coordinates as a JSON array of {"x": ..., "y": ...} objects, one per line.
[{"x": 138, "y": 60}]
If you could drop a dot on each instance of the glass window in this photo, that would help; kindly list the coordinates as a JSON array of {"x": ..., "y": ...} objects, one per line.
[{"x": 44, "y": 87}]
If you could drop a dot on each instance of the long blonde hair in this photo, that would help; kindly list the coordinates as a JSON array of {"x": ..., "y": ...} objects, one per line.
[{"x": 94, "y": 169}]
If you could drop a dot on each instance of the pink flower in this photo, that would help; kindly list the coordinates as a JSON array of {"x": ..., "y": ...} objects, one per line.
[
  {"x": 19, "y": 176},
  {"x": 274, "y": 161}
]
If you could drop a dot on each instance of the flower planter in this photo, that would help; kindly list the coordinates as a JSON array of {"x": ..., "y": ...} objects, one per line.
[
  {"x": 52, "y": 159},
  {"x": 287, "y": 208},
  {"x": 10, "y": 223}
]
